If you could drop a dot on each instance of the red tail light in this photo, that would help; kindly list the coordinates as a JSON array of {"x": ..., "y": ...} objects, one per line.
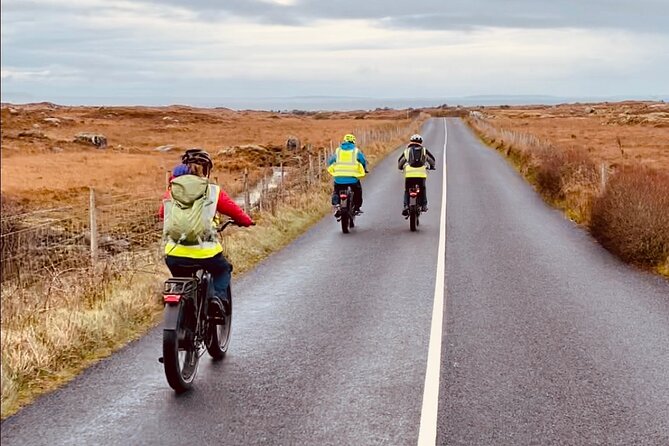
[
  {"x": 172, "y": 298},
  {"x": 413, "y": 194},
  {"x": 343, "y": 196}
]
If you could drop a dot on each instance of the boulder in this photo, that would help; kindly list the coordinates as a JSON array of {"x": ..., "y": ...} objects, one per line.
[
  {"x": 96, "y": 139},
  {"x": 52, "y": 120},
  {"x": 293, "y": 143}
]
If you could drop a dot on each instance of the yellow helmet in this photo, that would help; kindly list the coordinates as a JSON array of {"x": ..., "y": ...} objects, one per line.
[{"x": 349, "y": 138}]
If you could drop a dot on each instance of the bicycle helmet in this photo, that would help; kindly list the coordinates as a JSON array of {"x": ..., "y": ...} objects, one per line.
[
  {"x": 416, "y": 138},
  {"x": 349, "y": 138},
  {"x": 197, "y": 156}
]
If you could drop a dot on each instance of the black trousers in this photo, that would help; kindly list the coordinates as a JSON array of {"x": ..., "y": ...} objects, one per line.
[
  {"x": 218, "y": 266},
  {"x": 412, "y": 182},
  {"x": 357, "y": 193}
]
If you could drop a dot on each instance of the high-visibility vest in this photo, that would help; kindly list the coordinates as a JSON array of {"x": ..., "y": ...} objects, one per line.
[
  {"x": 413, "y": 172},
  {"x": 206, "y": 248},
  {"x": 346, "y": 164}
]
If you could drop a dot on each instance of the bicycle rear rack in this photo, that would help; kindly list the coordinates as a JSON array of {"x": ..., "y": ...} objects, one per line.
[{"x": 180, "y": 285}]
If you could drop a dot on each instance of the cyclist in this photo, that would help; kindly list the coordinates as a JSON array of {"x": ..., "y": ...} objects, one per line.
[
  {"x": 189, "y": 210},
  {"x": 414, "y": 162},
  {"x": 347, "y": 166}
]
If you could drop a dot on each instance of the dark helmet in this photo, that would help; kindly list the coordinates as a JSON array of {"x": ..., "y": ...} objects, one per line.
[{"x": 198, "y": 156}]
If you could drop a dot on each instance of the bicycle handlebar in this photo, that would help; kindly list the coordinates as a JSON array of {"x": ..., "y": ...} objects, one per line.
[{"x": 227, "y": 223}]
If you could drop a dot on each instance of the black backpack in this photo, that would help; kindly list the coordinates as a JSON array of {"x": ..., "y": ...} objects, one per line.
[{"x": 416, "y": 156}]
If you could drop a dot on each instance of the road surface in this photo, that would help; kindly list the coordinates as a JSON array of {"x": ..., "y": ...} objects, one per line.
[{"x": 540, "y": 336}]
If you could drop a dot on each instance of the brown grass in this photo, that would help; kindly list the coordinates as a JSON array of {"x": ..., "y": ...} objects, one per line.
[
  {"x": 54, "y": 169},
  {"x": 631, "y": 217}
]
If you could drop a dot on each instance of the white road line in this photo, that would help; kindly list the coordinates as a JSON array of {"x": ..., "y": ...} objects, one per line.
[{"x": 428, "y": 418}]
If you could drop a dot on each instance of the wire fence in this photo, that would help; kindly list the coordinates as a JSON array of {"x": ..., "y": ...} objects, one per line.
[{"x": 45, "y": 243}]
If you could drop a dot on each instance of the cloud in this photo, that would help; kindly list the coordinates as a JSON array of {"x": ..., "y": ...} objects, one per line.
[
  {"x": 210, "y": 48},
  {"x": 22, "y": 74}
]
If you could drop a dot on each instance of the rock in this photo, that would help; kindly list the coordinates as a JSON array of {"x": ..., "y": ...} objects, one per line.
[
  {"x": 165, "y": 148},
  {"x": 37, "y": 126},
  {"x": 293, "y": 143},
  {"x": 96, "y": 139},
  {"x": 57, "y": 149},
  {"x": 13, "y": 111},
  {"x": 589, "y": 110},
  {"x": 51, "y": 120},
  {"x": 33, "y": 133}
]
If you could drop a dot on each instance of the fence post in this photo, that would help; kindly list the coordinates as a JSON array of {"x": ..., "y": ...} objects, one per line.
[
  {"x": 261, "y": 195},
  {"x": 93, "y": 223},
  {"x": 311, "y": 170},
  {"x": 168, "y": 174},
  {"x": 247, "y": 196},
  {"x": 322, "y": 161},
  {"x": 604, "y": 171}
]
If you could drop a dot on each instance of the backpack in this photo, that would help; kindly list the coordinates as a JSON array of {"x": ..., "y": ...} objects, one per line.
[
  {"x": 188, "y": 211},
  {"x": 416, "y": 156}
]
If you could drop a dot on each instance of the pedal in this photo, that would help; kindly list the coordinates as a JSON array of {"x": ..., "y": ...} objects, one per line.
[
  {"x": 161, "y": 360},
  {"x": 216, "y": 320}
]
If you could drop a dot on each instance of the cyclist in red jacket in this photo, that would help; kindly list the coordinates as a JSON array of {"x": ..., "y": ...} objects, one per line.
[{"x": 182, "y": 253}]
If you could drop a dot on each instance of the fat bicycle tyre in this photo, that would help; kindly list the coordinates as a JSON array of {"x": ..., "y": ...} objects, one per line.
[
  {"x": 218, "y": 338},
  {"x": 345, "y": 222},
  {"x": 180, "y": 357}
]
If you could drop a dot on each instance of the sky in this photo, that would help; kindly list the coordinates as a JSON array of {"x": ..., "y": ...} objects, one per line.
[{"x": 204, "y": 51}]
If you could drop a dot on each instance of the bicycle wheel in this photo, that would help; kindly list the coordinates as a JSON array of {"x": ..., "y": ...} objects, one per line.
[
  {"x": 180, "y": 356},
  {"x": 344, "y": 221},
  {"x": 413, "y": 219},
  {"x": 218, "y": 338}
]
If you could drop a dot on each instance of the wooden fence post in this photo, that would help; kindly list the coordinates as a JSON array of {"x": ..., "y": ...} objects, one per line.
[
  {"x": 247, "y": 196},
  {"x": 604, "y": 172},
  {"x": 93, "y": 224}
]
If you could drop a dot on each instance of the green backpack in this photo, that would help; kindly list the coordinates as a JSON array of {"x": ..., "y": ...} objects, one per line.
[{"x": 189, "y": 212}]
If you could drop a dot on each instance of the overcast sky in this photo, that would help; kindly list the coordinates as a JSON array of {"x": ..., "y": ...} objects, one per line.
[{"x": 169, "y": 50}]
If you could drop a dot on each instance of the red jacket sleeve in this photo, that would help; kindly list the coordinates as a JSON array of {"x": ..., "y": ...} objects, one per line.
[
  {"x": 161, "y": 211},
  {"x": 228, "y": 207}
]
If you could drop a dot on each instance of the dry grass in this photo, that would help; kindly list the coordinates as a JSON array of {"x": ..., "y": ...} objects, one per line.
[
  {"x": 629, "y": 215},
  {"x": 52, "y": 169},
  {"x": 56, "y": 327},
  {"x": 568, "y": 179}
]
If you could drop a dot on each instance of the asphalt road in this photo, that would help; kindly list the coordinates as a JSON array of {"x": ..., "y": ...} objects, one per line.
[{"x": 547, "y": 339}]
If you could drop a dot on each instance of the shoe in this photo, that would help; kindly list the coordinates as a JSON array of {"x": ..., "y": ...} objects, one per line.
[
  {"x": 226, "y": 305},
  {"x": 358, "y": 212},
  {"x": 215, "y": 308},
  {"x": 405, "y": 212},
  {"x": 337, "y": 213},
  {"x": 423, "y": 208}
]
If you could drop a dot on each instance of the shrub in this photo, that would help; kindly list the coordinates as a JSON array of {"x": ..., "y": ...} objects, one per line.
[{"x": 631, "y": 217}]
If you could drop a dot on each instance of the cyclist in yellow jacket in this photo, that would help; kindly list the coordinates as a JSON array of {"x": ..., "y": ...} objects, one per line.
[
  {"x": 415, "y": 161},
  {"x": 190, "y": 183},
  {"x": 347, "y": 166}
]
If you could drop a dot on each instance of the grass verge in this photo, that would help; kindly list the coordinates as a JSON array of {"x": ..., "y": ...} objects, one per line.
[{"x": 628, "y": 212}]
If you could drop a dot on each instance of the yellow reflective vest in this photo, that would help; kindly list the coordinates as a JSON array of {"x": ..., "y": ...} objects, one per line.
[
  {"x": 346, "y": 164},
  {"x": 204, "y": 249},
  {"x": 413, "y": 172}
]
